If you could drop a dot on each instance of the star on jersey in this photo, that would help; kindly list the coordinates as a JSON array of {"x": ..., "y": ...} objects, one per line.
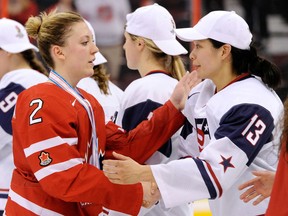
[{"x": 226, "y": 162}]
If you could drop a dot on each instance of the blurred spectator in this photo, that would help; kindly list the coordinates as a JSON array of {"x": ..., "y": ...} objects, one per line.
[
  {"x": 255, "y": 14},
  {"x": 180, "y": 10},
  {"x": 139, "y": 3},
  {"x": 108, "y": 19},
  {"x": 21, "y": 10},
  {"x": 63, "y": 6},
  {"x": 44, "y": 4},
  {"x": 281, "y": 6},
  {"x": 211, "y": 5}
]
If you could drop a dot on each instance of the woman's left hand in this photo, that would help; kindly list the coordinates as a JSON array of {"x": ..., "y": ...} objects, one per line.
[
  {"x": 259, "y": 187},
  {"x": 124, "y": 170}
]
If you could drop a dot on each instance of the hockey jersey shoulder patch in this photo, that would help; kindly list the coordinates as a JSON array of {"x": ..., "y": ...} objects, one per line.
[{"x": 44, "y": 158}]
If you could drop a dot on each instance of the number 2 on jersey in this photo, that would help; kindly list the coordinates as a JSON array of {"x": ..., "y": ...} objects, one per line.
[{"x": 32, "y": 118}]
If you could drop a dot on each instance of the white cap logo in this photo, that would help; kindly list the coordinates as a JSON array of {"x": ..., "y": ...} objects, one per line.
[{"x": 19, "y": 33}]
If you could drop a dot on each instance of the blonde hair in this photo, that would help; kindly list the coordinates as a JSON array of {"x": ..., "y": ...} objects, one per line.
[
  {"x": 102, "y": 78},
  {"x": 51, "y": 29},
  {"x": 173, "y": 64}
]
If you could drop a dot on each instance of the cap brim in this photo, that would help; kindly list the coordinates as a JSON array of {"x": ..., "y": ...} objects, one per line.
[
  {"x": 171, "y": 47},
  {"x": 18, "y": 48},
  {"x": 99, "y": 59},
  {"x": 189, "y": 34}
]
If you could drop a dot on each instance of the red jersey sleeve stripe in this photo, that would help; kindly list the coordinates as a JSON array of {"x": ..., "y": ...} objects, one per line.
[
  {"x": 36, "y": 209},
  {"x": 59, "y": 167},
  {"x": 49, "y": 143}
]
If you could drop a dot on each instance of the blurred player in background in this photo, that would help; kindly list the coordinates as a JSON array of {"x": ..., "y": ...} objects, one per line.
[
  {"x": 19, "y": 70},
  {"x": 152, "y": 49},
  {"x": 107, "y": 93}
]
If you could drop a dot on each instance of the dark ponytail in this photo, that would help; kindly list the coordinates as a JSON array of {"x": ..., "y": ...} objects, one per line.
[
  {"x": 265, "y": 69},
  {"x": 34, "y": 62},
  {"x": 249, "y": 61}
]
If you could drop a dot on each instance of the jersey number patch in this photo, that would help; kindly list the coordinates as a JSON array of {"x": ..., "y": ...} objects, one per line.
[
  {"x": 8, "y": 102},
  {"x": 253, "y": 133},
  {"x": 32, "y": 118}
]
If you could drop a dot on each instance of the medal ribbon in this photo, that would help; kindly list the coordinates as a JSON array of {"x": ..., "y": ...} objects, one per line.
[{"x": 58, "y": 80}]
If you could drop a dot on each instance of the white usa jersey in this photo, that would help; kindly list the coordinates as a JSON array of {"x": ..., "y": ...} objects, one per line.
[
  {"x": 228, "y": 134},
  {"x": 11, "y": 85},
  {"x": 140, "y": 98},
  {"x": 110, "y": 102}
]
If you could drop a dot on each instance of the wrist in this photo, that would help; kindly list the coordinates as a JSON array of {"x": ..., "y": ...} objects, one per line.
[{"x": 146, "y": 173}]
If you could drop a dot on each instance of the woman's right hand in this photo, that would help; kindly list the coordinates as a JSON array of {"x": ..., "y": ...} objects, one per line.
[
  {"x": 182, "y": 89},
  {"x": 151, "y": 194}
]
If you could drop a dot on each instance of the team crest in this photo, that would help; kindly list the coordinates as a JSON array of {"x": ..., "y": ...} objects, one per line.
[
  {"x": 174, "y": 26},
  {"x": 44, "y": 158},
  {"x": 19, "y": 33},
  {"x": 202, "y": 132}
]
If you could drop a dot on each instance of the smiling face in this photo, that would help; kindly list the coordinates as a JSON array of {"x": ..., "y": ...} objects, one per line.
[
  {"x": 77, "y": 54},
  {"x": 206, "y": 59}
]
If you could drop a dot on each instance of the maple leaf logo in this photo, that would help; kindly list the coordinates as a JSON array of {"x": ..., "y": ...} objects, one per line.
[{"x": 44, "y": 158}]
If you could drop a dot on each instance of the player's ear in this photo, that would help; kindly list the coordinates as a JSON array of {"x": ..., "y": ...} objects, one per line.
[
  {"x": 140, "y": 43},
  {"x": 226, "y": 50},
  {"x": 57, "y": 52}
]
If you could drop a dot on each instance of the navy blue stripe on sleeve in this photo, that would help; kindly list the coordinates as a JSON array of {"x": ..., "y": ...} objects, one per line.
[
  {"x": 134, "y": 115},
  {"x": 248, "y": 126},
  {"x": 206, "y": 178},
  {"x": 8, "y": 98}
]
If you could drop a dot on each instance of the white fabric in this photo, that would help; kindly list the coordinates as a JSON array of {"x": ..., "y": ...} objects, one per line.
[
  {"x": 223, "y": 26},
  {"x": 224, "y": 162},
  {"x": 157, "y": 88},
  {"x": 13, "y": 37},
  {"x": 110, "y": 102},
  {"x": 156, "y": 23},
  {"x": 107, "y": 19}
]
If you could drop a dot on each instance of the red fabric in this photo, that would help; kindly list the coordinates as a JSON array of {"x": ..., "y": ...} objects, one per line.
[
  {"x": 58, "y": 177},
  {"x": 278, "y": 202},
  {"x": 30, "y": 10}
]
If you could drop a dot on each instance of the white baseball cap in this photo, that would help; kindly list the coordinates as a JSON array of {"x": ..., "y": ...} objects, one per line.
[
  {"x": 156, "y": 23},
  {"x": 99, "y": 58},
  {"x": 13, "y": 37},
  {"x": 223, "y": 26}
]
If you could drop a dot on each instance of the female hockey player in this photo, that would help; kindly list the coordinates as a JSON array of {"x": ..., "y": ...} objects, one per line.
[
  {"x": 60, "y": 137},
  {"x": 234, "y": 117}
]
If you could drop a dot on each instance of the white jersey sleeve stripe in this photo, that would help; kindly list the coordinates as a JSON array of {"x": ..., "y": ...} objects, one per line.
[
  {"x": 36, "y": 209},
  {"x": 49, "y": 143},
  {"x": 59, "y": 167}
]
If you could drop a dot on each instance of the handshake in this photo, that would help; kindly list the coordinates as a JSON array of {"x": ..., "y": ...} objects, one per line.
[
  {"x": 124, "y": 170},
  {"x": 151, "y": 194}
]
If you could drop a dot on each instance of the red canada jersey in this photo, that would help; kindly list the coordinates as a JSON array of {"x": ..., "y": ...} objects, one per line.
[
  {"x": 277, "y": 204},
  {"x": 52, "y": 148}
]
